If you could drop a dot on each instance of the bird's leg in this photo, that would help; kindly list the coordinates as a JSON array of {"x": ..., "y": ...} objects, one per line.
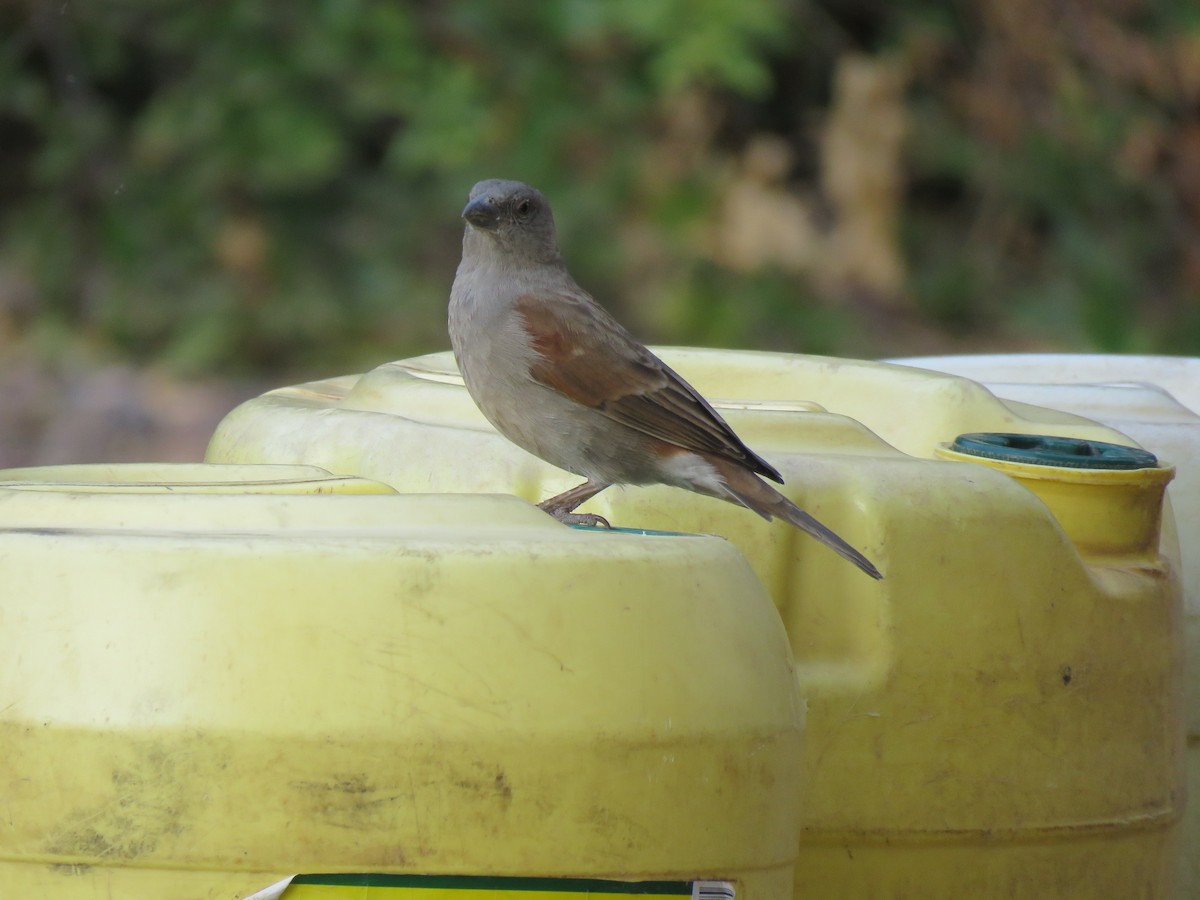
[{"x": 562, "y": 506}]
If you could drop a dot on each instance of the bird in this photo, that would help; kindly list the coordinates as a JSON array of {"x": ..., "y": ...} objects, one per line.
[{"x": 560, "y": 377}]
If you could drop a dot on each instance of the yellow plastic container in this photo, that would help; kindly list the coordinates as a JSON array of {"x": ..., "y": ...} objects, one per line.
[
  {"x": 206, "y": 690},
  {"x": 197, "y": 478},
  {"x": 1000, "y": 716},
  {"x": 1156, "y": 401}
]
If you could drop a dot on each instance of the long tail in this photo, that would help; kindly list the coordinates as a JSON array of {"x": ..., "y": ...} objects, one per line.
[{"x": 752, "y": 492}]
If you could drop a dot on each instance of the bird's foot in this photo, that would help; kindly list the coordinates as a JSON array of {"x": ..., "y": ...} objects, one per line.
[
  {"x": 591, "y": 520},
  {"x": 562, "y": 506}
]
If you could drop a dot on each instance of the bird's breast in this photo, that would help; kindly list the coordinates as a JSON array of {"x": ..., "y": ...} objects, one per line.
[{"x": 495, "y": 355}]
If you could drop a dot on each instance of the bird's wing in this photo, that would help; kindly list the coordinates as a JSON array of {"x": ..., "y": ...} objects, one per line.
[{"x": 585, "y": 354}]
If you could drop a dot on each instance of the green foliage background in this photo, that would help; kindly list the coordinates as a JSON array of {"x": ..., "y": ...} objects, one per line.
[{"x": 265, "y": 186}]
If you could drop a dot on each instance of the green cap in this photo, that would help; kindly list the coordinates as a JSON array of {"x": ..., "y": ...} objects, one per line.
[{"x": 1048, "y": 450}]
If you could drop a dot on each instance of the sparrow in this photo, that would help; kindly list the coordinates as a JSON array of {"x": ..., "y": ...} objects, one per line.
[{"x": 558, "y": 376}]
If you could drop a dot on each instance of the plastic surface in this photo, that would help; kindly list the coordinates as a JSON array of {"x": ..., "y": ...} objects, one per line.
[
  {"x": 1000, "y": 716},
  {"x": 207, "y": 691},
  {"x": 1155, "y": 400},
  {"x": 198, "y": 478}
]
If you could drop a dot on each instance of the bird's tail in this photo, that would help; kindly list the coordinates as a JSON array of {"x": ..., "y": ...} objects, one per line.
[{"x": 752, "y": 492}]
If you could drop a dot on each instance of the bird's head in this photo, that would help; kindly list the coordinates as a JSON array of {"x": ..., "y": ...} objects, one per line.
[{"x": 513, "y": 217}]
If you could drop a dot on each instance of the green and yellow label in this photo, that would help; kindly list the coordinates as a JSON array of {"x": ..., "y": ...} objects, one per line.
[{"x": 475, "y": 887}]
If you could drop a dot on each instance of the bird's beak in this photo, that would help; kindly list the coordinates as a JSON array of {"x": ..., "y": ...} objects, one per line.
[{"x": 481, "y": 213}]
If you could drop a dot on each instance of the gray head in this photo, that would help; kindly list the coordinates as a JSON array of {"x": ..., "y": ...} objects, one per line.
[{"x": 511, "y": 217}]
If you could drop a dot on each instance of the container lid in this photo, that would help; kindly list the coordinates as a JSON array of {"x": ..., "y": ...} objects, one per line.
[{"x": 1050, "y": 450}]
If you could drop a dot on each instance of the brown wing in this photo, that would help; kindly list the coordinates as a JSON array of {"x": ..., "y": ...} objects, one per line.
[{"x": 588, "y": 356}]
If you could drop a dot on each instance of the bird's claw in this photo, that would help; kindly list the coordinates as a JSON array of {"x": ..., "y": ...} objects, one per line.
[{"x": 591, "y": 520}]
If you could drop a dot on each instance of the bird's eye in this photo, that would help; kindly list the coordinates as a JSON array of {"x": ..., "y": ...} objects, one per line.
[{"x": 524, "y": 208}]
